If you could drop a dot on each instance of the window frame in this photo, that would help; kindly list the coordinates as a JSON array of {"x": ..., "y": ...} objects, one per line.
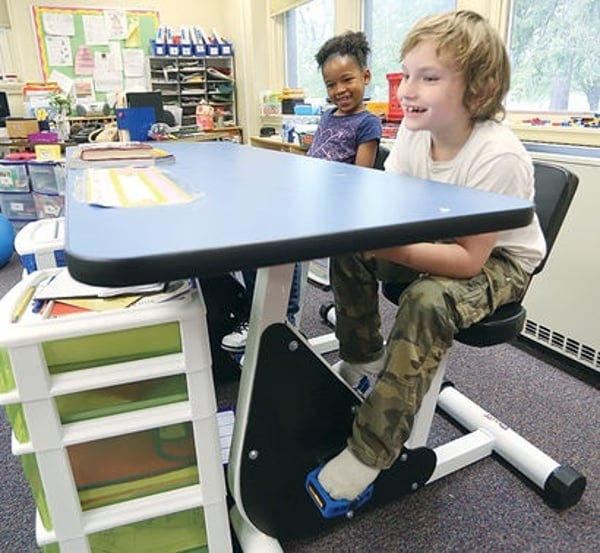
[
  {"x": 542, "y": 133},
  {"x": 354, "y": 15}
]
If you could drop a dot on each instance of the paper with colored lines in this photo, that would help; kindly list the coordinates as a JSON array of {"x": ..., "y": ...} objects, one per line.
[{"x": 132, "y": 187}]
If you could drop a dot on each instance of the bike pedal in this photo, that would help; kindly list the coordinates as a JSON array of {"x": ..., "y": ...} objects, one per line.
[{"x": 329, "y": 507}]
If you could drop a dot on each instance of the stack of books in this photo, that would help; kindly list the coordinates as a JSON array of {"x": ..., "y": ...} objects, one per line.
[{"x": 119, "y": 154}]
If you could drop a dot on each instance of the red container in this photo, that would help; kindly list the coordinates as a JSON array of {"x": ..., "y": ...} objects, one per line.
[{"x": 395, "y": 112}]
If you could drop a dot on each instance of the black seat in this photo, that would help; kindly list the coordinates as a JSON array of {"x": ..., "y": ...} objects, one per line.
[{"x": 555, "y": 187}]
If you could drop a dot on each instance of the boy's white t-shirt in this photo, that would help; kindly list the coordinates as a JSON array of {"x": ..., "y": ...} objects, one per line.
[{"x": 492, "y": 159}]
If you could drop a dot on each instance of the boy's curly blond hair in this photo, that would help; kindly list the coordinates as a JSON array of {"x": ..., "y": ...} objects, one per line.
[{"x": 470, "y": 42}]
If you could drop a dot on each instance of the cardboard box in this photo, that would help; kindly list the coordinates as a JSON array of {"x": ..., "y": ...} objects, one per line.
[{"x": 21, "y": 127}]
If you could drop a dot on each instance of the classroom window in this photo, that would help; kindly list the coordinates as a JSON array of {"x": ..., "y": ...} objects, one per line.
[
  {"x": 306, "y": 29},
  {"x": 554, "y": 52},
  {"x": 386, "y": 22}
]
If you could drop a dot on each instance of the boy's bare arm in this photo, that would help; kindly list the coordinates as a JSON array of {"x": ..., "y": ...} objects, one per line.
[{"x": 463, "y": 258}]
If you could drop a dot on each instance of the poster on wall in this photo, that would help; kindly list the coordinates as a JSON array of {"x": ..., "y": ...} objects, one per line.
[{"x": 94, "y": 53}]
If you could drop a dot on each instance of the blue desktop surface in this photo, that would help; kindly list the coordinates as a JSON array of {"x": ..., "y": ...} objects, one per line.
[{"x": 255, "y": 208}]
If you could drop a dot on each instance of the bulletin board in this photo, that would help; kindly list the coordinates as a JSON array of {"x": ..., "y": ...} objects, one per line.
[{"x": 95, "y": 51}]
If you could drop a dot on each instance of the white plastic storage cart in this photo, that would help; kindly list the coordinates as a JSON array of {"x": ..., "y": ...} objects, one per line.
[
  {"x": 41, "y": 244},
  {"x": 114, "y": 420}
]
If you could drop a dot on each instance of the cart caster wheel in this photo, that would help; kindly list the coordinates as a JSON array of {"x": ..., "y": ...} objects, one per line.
[{"x": 327, "y": 313}]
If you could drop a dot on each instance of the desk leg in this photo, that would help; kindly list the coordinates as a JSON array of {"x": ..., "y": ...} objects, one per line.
[
  {"x": 291, "y": 411},
  {"x": 269, "y": 305},
  {"x": 293, "y": 414},
  {"x": 249, "y": 537}
]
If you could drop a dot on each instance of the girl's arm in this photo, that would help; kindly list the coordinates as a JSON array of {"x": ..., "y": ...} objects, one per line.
[{"x": 366, "y": 153}]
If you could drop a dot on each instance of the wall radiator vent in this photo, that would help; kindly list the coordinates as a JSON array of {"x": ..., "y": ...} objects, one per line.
[{"x": 563, "y": 344}]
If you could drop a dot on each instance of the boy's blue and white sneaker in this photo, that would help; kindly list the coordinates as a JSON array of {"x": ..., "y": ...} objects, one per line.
[{"x": 360, "y": 376}]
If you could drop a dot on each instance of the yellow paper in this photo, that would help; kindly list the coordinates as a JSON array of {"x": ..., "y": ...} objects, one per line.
[
  {"x": 102, "y": 304},
  {"x": 132, "y": 187},
  {"x": 133, "y": 39},
  {"x": 47, "y": 152}
]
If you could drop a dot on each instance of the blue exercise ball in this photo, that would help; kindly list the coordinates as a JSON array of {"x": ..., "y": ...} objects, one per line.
[{"x": 7, "y": 240}]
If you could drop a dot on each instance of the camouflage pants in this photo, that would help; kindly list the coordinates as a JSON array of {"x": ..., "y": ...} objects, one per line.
[{"x": 430, "y": 312}]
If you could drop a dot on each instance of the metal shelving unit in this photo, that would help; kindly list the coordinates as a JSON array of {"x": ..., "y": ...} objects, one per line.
[{"x": 191, "y": 81}]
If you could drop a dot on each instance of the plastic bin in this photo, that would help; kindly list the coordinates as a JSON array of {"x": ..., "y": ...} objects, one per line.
[
  {"x": 395, "y": 112},
  {"x": 110, "y": 471},
  {"x": 20, "y": 207},
  {"x": 226, "y": 49},
  {"x": 47, "y": 177},
  {"x": 158, "y": 48},
  {"x": 199, "y": 49},
  {"x": 75, "y": 353},
  {"x": 106, "y": 431},
  {"x": 14, "y": 176},
  {"x": 41, "y": 244},
  {"x": 183, "y": 532},
  {"x": 48, "y": 206},
  {"x": 212, "y": 49}
]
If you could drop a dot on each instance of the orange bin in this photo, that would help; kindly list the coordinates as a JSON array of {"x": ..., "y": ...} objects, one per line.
[{"x": 395, "y": 112}]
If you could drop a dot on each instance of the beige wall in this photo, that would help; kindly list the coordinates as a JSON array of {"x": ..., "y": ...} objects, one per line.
[{"x": 244, "y": 22}]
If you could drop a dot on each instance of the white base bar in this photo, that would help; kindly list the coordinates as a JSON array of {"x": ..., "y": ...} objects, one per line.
[
  {"x": 251, "y": 540},
  {"x": 461, "y": 452},
  {"x": 325, "y": 343},
  {"x": 525, "y": 457}
]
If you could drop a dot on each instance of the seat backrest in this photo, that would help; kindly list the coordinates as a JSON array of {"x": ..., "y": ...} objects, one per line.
[
  {"x": 555, "y": 187},
  {"x": 382, "y": 153}
]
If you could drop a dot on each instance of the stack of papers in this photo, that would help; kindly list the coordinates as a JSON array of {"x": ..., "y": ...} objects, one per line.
[
  {"x": 56, "y": 294},
  {"x": 60, "y": 294},
  {"x": 62, "y": 285},
  {"x": 131, "y": 187}
]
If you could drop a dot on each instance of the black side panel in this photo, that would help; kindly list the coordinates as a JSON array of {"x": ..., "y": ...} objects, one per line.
[{"x": 301, "y": 415}]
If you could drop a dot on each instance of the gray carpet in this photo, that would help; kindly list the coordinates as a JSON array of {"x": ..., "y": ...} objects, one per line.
[{"x": 483, "y": 508}]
